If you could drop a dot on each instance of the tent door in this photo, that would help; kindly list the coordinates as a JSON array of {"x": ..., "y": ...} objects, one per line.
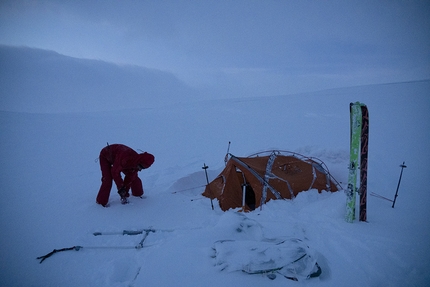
[{"x": 248, "y": 197}]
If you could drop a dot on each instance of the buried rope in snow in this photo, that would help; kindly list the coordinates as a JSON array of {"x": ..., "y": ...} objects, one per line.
[{"x": 77, "y": 247}]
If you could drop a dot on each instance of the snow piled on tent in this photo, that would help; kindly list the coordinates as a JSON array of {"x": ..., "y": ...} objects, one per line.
[{"x": 50, "y": 178}]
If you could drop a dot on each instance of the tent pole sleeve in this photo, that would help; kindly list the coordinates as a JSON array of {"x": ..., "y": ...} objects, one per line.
[{"x": 262, "y": 180}]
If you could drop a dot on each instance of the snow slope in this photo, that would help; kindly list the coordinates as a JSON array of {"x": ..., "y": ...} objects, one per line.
[{"x": 50, "y": 178}]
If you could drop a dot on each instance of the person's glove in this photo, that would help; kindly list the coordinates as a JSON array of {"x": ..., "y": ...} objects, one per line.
[{"x": 122, "y": 192}]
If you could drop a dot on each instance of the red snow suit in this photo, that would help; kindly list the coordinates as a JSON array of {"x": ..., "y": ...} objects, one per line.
[{"x": 117, "y": 158}]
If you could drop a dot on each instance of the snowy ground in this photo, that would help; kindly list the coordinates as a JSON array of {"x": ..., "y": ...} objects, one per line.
[{"x": 50, "y": 179}]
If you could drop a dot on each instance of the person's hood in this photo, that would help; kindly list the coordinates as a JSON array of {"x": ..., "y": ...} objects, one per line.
[{"x": 145, "y": 159}]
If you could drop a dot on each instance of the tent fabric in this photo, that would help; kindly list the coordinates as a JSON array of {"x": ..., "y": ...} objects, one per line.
[{"x": 274, "y": 176}]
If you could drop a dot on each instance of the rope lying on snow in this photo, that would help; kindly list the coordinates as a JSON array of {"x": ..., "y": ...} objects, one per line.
[
  {"x": 77, "y": 247},
  {"x": 57, "y": 250}
]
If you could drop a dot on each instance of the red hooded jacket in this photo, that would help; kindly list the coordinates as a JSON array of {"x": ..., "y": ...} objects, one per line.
[{"x": 126, "y": 160}]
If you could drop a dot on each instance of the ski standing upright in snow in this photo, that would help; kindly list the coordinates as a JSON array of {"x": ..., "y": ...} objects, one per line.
[
  {"x": 359, "y": 144},
  {"x": 363, "y": 161},
  {"x": 355, "y": 135}
]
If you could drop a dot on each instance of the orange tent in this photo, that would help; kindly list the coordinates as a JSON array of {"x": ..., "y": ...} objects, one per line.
[{"x": 249, "y": 182}]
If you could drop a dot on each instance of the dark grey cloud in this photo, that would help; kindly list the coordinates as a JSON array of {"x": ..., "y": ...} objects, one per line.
[{"x": 288, "y": 46}]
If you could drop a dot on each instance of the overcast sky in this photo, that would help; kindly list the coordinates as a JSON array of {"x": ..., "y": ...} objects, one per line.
[{"x": 239, "y": 48}]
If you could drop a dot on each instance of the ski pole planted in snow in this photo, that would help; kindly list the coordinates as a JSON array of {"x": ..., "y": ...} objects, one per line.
[
  {"x": 398, "y": 185},
  {"x": 205, "y": 167}
]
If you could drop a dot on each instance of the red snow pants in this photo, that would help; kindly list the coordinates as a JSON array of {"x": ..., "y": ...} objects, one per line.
[{"x": 107, "y": 179}]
